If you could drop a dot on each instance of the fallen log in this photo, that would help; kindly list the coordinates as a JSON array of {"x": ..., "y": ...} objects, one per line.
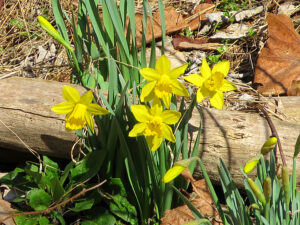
[{"x": 233, "y": 136}]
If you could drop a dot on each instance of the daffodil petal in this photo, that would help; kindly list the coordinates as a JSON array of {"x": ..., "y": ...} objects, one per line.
[
  {"x": 168, "y": 133},
  {"x": 163, "y": 65},
  {"x": 87, "y": 98},
  {"x": 70, "y": 94},
  {"x": 178, "y": 88},
  {"x": 137, "y": 130},
  {"x": 205, "y": 70},
  {"x": 177, "y": 71},
  {"x": 154, "y": 142},
  {"x": 195, "y": 79},
  {"x": 217, "y": 100},
  {"x": 89, "y": 120},
  {"x": 147, "y": 89},
  {"x": 172, "y": 173},
  {"x": 149, "y": 74},
  {"x": 170, "y": 116},
  {"x": 156, "y": 107},
  {"x": 227, "y": 86},
  {"x": 200, "y": 95},
  {"x": 96, "y": 109},
  {"x": 222, "y": 67},
  {"x": 167, "y": 99},
  {"x": 63, "y": 107},
  {"x": 141, "y": 113},
  {"x": 75, "y": 120}
]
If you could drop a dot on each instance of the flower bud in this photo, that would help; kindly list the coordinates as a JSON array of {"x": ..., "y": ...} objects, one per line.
[
  {"x": 251, "y": 164},
  {"x": 269, "y": 145},
  {"x": 297, "y": 147},
  {"x": 285, "y": 183},
  {"x": 177, "y": 169},
  {"x": 53, "y": 32},
  {"x": 256, "y": 190},
  {"x": 267, "y": 189}
]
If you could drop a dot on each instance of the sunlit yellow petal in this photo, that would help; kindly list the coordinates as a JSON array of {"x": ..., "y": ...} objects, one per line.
[
  {"x": 87, "y": 98},
  {"x": 70, "y": 94},
  {"x": 63, "y": 107},
  {"x": 178, "y": 88},
  {"x": 177, "y": 71},
  {"x": 137, "y": 130},
  {"x": 205, "y": 70},
  {"x": 96, "y": 109},
  {"x": 89, "y": 120},
  {"x": 172, "y": 173},
  {"x": 195, "y": 79},
  {"x": 141, "y": 113},
  {"x": 146, "y": 90},
  {"x": 163, "y": 65},
  {"x": 222, "y": 67},
  {"x": 201, "y": 94},
  {"x": 168, "y": 133},
  {"x": 217, "y": 100},
  {"x": 149, "y": 74},
  {"x": 251, "y": 164},
  {"x": 76, "y": 119},
  {"x": 156, "y": 107},
  {"x": 167, "y": 99},
  {"x": 154, "y": 142},
  {"x": 227, "y": 86},
  {"x": 170, "y": 116}
]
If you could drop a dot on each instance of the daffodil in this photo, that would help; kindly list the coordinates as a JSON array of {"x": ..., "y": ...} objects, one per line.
[
  {"x": 154, "y": 124},
  {"x": 78, "y": 109},
  {"x": 163, "y": 82},
  {"x": 212, "y": 83}
]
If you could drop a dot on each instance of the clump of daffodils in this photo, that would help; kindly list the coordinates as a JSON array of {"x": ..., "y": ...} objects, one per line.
[{"x": 212, "y": 83}]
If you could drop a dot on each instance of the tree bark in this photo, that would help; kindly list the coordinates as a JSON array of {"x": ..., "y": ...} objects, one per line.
[{"x": 25, "y": 107}]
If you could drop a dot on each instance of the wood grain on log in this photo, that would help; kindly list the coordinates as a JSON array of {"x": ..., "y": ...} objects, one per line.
[{"x": 233, "y": 136}]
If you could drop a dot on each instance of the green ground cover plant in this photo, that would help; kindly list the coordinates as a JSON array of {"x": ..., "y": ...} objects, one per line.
[{"x": 133, "y": 126}]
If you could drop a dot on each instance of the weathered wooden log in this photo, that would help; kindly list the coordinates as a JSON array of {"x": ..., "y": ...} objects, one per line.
[{"x": 233, "y": 136}]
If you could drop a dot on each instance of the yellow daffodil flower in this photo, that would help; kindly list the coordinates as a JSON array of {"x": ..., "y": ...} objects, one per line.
[
  {"x": 163, "y": 82},
  {"x": 212, "y": 84},
  {"x": 78, "y": 109},
  {"x": 153, "y": 124}
]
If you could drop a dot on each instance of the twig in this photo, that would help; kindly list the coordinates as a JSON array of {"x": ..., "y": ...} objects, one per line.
[
  {"x": 274, "y": 132},
  {"x": 47, "y": 211}
]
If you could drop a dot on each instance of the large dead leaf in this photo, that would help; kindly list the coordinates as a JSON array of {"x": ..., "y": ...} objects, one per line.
[
  {"x": 278, "y": 65},
  {"x": 6, "y": 210},
  {"x": 202, "y": 201}
]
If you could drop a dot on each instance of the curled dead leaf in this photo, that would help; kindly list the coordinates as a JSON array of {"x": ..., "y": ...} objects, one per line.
[{"x": 278, "y": 65}]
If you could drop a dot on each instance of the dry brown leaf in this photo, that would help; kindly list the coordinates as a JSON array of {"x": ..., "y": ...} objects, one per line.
[
  {"x": 202, "y": 201},
  {"x": 5, "y": 210},
  {"x": 174, "y": 22},
  {"x": 278, "y": 65}
]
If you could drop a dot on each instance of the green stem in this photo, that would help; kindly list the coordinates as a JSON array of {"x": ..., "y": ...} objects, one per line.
[
  {"x": 212, "y": 192},
  {"x": 267, "y": 211},
  {"x": 294, "y": 179}
]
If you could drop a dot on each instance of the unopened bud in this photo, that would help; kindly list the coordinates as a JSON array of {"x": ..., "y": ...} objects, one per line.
[
  {"x": 269, "y": 145},
  {"x": 256, "y": 190},
  {"x": 285, "y": 183},
  {"x": 267, "y": 189},
  {"x": 251, "y": 164}
]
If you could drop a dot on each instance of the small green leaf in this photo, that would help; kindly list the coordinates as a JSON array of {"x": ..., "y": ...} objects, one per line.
[
  {"x": 43, "y": 220},
  {"x": 100, "y": 216},
  {"x": 123, "y": 209},
  {"x": 26, "y": 220},
  {"x": 51, "y": 168},
  {"x": 39, "y": 199},
  {"x": 88, "y": 80},
  {"x": 56, "y": 189},
  {"x": 83, "y": 205},
  {"x": 88, "y": 167}
]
